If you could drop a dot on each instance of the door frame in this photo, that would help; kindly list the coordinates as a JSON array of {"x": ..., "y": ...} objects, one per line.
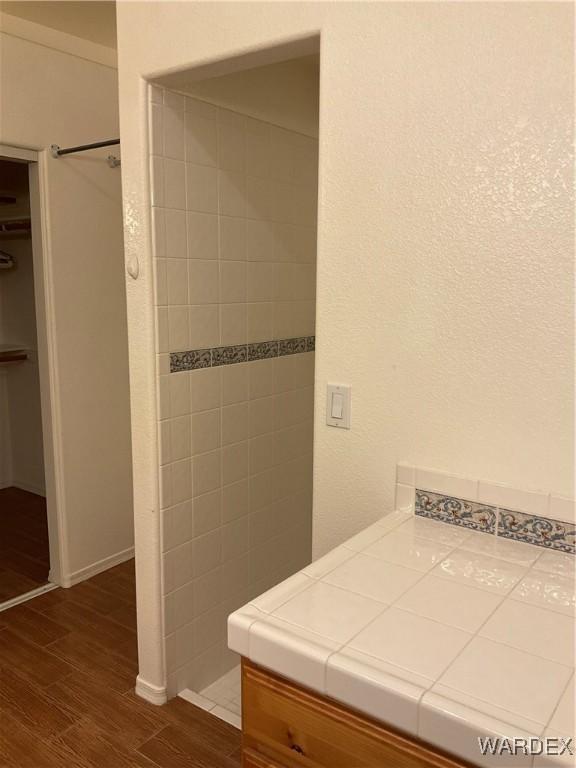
[{"x": 47, "y": 354}]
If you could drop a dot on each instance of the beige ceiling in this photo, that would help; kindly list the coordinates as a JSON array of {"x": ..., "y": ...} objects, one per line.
[{"x": 91, "y": 19}]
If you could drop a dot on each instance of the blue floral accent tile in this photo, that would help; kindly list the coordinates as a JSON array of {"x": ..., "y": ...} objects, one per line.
[
  {"x": 310, "y": 343},
  {"x": 447, "y": 509},
  {"x": 229, "y": 355},
  {"x": 292, "y": 346},
  {"x": 263, "y": 350},
  {"x": 542, "y": 531},
  {"x": 189, "y": 361}
]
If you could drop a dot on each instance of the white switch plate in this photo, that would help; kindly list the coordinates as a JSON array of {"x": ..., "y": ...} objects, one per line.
[{"x": 338, "y": 405}]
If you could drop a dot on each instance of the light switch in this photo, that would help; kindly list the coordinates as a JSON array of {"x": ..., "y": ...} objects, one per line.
[{"x": 338, "y": 405}]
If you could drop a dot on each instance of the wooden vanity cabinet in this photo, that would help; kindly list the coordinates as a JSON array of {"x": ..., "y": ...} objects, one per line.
[{"x": 287, "y": 726}]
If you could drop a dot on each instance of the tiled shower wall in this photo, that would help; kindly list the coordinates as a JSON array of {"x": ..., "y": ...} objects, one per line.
[{"x": 234, "y": 220}]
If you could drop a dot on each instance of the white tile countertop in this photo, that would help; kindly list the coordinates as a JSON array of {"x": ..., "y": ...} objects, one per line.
[{"x": 444, "y": 633}]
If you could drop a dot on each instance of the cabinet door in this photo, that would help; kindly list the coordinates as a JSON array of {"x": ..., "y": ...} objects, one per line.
[
  {"x": 251, "y": 759},
  {"x": 296, "y": 728}
]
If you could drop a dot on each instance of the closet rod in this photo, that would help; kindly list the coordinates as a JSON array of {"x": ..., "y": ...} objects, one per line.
[{"x": 57, "y": 152}]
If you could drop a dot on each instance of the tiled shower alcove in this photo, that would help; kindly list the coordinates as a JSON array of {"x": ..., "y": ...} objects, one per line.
[{"x": 234, "y": 226}]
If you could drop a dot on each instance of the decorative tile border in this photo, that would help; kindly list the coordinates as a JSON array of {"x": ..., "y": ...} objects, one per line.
[
  {"x": 467, "y": 514},
  {"x": 263, "y": 350},
  {"x": 519, "y": 526},
  {"x": 542, "y": 531},
  {"x": 188, "y": 361},
  {"x": 229, "y": 355},
  {"x": 241, "y": 353}
]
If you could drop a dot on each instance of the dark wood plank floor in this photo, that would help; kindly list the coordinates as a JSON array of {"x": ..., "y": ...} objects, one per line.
[
  {"x": 68, "y": 663},
  {"x": 24, "y": 554}
]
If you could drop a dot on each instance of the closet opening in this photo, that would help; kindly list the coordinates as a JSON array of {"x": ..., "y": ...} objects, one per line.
[{"x": 25, "y": 541}]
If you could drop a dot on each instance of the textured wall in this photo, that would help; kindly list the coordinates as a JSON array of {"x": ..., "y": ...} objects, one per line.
[{"x": 444, "y": 240}]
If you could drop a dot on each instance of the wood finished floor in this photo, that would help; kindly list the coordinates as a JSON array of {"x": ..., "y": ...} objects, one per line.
[
  {"x": 24, "y": 554},
  {"x": 68, "y": 663}
]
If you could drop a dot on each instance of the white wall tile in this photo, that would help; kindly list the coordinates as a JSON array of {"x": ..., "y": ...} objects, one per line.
[
  {"x": 207, "y": 472},
  {"x": 180, "y": 438},
  {"x": 178, "y": 328},
  {"x": 205, "y": 431},
  {"x": 231, "y": 147},
  {"x": 235, "y": 501},
  {"x": 173, "y": 99},
  {"x": 261, "y": 281},
  {"x": 203, "y": 279},
  {"x": 235, "y": 462},
  {"x": 511, "y": 498},
  {"x": 179, "y": 393},
  {"x": 173, "y": 133},
  {"x": 177, "y": 525},
  {"x": 181, "y": 480},
  {"x": 406, "y": 474},
  {"x": 234, "y": 383},
  {"x": 161, "y": 280},
  {"x": 202, "y": 235},
  {"x": 162, "y": 333},
  {"x": 157, "y": 181},
  {"x": 451, "y": 485},
  {"x": 232, "y": 238},
  {"x": 232, "y": 282},
  {"x": 207, "y": 512},
  {"x": 177, "y": 281},
  {"x": 562, "y": 508},
  {"x": 200, "y": 108},
  {"x": 201, "y": 139},
  {"x": 175, "y": 237},
  {"x": 235, "y": 539},
  {"x": 260, "y": 321},
  {"x": 204, "y": 325},
  {"x": 405, "y": 495},
  {"x": 178, "y": 567},
  {"x": 156, "y": 94},
  {"x": 201, "y": 189},
  {"x": 233, "y": 324},
  {"x": 205, "y": 389},
  {"x": 156, "y": 129},
  {"x": 179, "y": 607},
  {"x": 174, "y": 184},
  {"x": 235, "y": 423},
  {"x": 231, "y": 193},
  {"x": 207, "y": 552}
]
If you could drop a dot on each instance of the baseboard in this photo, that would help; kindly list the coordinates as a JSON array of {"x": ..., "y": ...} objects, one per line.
[
  {"x": 98, "y": 567},
  {"x": 30, "y": 487},
  {"x": 27, "y": 596},
  {"x": 153, "y": 694}
]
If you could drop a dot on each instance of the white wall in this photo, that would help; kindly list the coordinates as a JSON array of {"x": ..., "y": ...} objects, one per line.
[
  {"x": 445, "y": 240},
  {"x": 53, "y": 97}
]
